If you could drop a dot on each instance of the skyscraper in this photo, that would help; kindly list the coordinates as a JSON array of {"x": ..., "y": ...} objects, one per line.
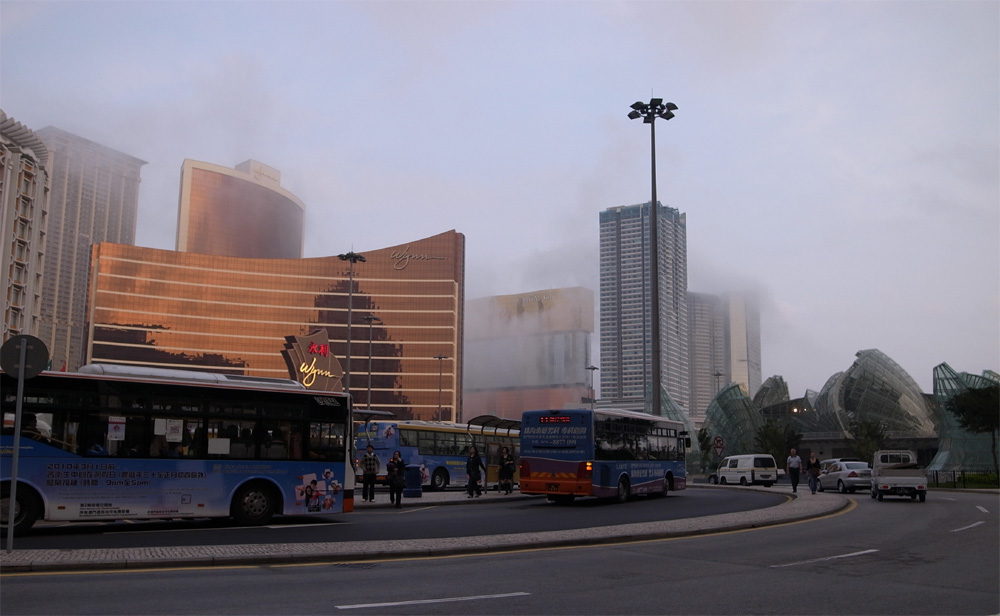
[
  {"x": 724, "y": 333},
  {"x": 94, "y": 198},
  {"x": 527, "y": 351},
  {"x": 24, "y": 182},
  {"x": 241, "y": 212},
  {"x": 625, "y": 303}
]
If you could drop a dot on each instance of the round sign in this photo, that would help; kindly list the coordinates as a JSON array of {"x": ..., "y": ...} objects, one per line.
[
  {"x": 36, "y": 356},
  {"x": 718, "y": 444}
]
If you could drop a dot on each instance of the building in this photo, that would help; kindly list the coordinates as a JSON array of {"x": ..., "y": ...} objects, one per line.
[
  {"x": 24, "y": 194},
  {"x": 724, "y": 343},
  {"x": 528, "y": 351},
  {"x": 237, "y": 316},
  {"x": 625, "y": 303},
  {"x": 94, "y": 198},
  {"x": 241, "y": 212}
]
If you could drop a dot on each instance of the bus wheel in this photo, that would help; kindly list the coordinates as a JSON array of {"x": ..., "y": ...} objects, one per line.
[
  {"x": 25, "y": 509},
  {"x": 623, "y": 487},
  {"x": 439, "y": 479},
  {"x": 254, "y": 504}
]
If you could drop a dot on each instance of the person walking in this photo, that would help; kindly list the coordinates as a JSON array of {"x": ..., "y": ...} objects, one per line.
[
  {"x": 812, "y": 467},
  {"x": 395, "y": 474},
  {"x": 473, "y": 464},
  {"x": 506, "y": 471},
  {"x": 792, "y": 467},
  {"x": 370, "y": 466}
]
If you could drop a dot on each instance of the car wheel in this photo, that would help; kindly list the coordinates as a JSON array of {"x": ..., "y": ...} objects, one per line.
[
  {"x": 722, "y": 480},
  {"x": 714, "y": 480},
  {"x": 873, "y": 491},
  {"x": 841, "y": 487},
  {"x": 743, "y": 481},
  {"x": 768, "y": 484},
  {"x": 880, "y": 495},
  {"x": 819, "y": 485},
  {"x": 923, "y": 496}
]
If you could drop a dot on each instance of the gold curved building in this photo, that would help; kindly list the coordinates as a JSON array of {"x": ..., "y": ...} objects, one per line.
[{"x": 235, "y": 315}]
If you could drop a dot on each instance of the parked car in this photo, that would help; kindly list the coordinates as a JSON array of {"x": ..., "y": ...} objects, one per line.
[
  {"x": 846, "y": 477},
  {"x": 756, "y": 468},
  {"x": 825, "y": 465}
]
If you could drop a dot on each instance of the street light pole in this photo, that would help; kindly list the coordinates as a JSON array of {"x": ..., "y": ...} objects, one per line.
[
  {"x": 440, "y": 359},
  {"x": 591, "y": 370},
  {"x": 371, "y": 320},
  {"x": 353, "y": 257},
  {"x": 655, "y": 108},
  {"x": 717, "y": 376}
]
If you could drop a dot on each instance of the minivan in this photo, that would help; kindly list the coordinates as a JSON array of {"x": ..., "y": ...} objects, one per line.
[{"x": 748, "y": 469}]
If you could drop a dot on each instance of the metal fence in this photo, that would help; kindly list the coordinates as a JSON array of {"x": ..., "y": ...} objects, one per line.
[{"x": 966, "y": 478}]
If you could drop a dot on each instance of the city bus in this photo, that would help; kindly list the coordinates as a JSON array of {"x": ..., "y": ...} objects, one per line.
[
  {"x": 115, "y": 442},
  {"x": 439, "y": 448},
  {"x": 603, "y": 453}
]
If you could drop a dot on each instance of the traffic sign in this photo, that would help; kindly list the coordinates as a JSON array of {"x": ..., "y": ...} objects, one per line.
[
  {"x": 36, "y": 356},
  {"x": 719, "y": 445}
]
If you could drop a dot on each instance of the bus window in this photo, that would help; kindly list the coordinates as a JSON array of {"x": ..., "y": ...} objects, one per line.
[{"x": 326, "y": 442}]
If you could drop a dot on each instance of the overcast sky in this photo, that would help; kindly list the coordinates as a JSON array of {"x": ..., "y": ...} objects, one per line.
[{"x": 843, "y": 157}]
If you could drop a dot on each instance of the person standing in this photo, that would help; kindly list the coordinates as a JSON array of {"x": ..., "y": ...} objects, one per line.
[
  {"x": 473, "y": 464},
  {"x": 792, "y": 467},
  {"x": 506, "y": 470},
  {"x": 812, "y": 467},
  {"x": 370, "y": 466},
  {"x": 395, "y": 474}
]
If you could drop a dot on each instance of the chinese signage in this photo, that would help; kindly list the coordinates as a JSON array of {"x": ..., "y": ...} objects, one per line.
[{"x": 310, "y": 362}]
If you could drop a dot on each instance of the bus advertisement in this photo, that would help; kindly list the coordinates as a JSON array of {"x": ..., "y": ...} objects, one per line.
[
  {"x": 114, "y": 442},
  {"x": 603, "y": 453},
  {"x": 439, "y": 448}
]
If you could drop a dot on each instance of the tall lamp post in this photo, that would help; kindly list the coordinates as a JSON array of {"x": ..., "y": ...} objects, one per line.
[
  {"x": 717, "y": 374},
  {"x": 440, "y": 359},
  {"x": 371, "y": 320},
  {"x": 353, "y": 257},
  {"x": 655, "y": 108},
  {"x": 591, "y": 370}
]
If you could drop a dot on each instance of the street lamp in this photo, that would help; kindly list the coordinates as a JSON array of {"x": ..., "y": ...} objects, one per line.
[
  {"x": 717, "y": 376},
  {"x": 655, "y": 108},
  {"x": 371, "y": 320},
  {"x": 440, "y": 359},
  {"x": 591, "y": 369},
  {"x": 353, "y": 257}
]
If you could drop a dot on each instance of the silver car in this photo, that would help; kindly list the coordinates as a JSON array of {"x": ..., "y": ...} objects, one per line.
[{"x": 846, "y": 477}]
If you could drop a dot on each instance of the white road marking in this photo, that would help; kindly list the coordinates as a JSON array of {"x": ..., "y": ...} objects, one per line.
[
  {"x": 816, "y": 560},
  {"x": 426, "y": 601},
  {"x": 973, "y": 525},
  {"x": 983, "y": 509}
]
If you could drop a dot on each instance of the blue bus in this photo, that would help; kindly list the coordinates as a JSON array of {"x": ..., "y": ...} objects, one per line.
[
  {"x": 119, "y": 442},
  {"x": 604, "y": 453},
  {"x": 439, "y": 448}
]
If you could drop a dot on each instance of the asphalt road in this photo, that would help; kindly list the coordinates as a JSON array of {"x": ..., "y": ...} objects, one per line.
[
  {"x": 896, "y": 557},
  {"x": 412, "y": 522}
]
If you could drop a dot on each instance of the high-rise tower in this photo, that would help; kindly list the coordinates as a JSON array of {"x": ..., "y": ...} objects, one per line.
[
  {"x": 94, "y": 198},
  {"x": 241, "y": 212},
  {"x": 625, "y": 303}
]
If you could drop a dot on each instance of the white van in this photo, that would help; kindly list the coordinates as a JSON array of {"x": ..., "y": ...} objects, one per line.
[{"x": 749, "y": 469}]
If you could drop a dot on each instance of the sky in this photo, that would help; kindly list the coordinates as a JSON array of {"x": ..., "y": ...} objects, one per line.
[{"x": 841, "y": 159}]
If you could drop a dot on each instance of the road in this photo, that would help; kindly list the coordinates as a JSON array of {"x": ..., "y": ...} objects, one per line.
[
  {"x": 412, "y": 522},
  {"x": 894, "y": 557}
]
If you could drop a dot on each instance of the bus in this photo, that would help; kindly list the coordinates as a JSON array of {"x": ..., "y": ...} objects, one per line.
[
  {"x": 439, "y": 448},
  {"x": 603, "y": 453},
  {"x": 115, "y": 442}
]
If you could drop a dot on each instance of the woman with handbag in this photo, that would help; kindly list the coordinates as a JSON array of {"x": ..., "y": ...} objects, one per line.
[
  {"x": 506, "y": 471},
  {"x": 396, "y": 477}
]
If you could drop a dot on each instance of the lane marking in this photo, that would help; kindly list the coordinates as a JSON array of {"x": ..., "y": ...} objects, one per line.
[
  {"x": 973, "y": 525},
  {"x": 816, "y": 560},
  {"x": 983, "y": 509},
  {"x": 429, "y": 601}
]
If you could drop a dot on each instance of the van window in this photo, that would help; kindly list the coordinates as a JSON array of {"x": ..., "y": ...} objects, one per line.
[
  {"x": 734, "y": 463},
  {"x": 763, "y": 463}
]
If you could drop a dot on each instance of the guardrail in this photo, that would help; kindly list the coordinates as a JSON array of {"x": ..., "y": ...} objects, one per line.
[{"x": 963, "y": 479}]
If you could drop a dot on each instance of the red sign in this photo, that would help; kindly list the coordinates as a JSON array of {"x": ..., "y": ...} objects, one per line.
[{"x": 719, "y": 445}]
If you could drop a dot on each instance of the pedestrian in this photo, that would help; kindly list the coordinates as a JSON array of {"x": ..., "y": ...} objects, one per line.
[
  {"x": 792, "y": 467},
  {"x": 370, "y": 466},
  {"x": 395, "y": 475},
  {"x": 506, "y": 471},
  {"x": 472, "y": 465},
  {"x": 812, "y": 467}
]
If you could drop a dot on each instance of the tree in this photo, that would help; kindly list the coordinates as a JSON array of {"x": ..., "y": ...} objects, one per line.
[
  {"x": 867, "y": 436},
  {"x": 978, "y": 411},
  {"x": 705, "y": 444},
  {"x": 777, "y": 438}
]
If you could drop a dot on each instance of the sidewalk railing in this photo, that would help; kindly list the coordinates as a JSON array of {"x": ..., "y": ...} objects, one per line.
[{"x": 963, "y": 479}]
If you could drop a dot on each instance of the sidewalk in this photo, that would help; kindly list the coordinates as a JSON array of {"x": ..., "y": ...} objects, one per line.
[{"x": 801, "y": 506}]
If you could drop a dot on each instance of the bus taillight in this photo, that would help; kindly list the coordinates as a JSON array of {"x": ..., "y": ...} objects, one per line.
[
  {"x": 525, "y": 468},
  {"x": 585, "y": 471}
]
